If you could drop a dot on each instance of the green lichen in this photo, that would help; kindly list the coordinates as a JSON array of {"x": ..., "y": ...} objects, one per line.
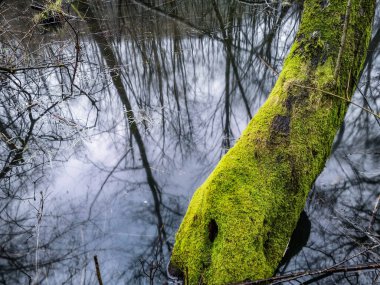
[{"x": 258, "y": 189}]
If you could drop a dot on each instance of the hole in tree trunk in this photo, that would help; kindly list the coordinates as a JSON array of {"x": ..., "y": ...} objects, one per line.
[{"x": 212, "y": 230}]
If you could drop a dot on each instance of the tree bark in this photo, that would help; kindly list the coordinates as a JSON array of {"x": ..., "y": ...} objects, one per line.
[{"x": 239, "y": 221}]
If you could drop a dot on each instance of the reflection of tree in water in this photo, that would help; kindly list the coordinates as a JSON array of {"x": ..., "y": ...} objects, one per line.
[
  {"x": 156, "y": 62},
  {"x": 112, "y": 63},
  {"x": 152, "y": 76},
  {"x": 38, "y": 120},
  {"x": 160, "y": 75}
]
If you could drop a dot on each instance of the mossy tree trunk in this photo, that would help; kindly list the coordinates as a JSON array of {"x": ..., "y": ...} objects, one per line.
[{"x": 240, "y": 220}]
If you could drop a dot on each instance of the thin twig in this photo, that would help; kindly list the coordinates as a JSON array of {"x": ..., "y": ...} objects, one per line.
[
  {"x": 296, "y": 275},
  {"x": 343, "y": 40},
  {"x": 98, "y": 270},
  {"x": 366, "y": 101},
  {"x": 340, "y": 97},
  {"x": 374, "y": 212},
  {"x": 369, "y": 235},
  {"x": 11, "y": 70}
]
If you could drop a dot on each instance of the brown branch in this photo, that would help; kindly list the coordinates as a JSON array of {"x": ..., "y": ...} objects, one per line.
[
  {"x": 296, "y": 275},
  {"x": 11, "y": 70},
  {"x": 98, "y": 270}
]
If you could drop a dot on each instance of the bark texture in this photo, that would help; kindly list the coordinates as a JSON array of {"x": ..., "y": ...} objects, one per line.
[{"x": 240, "y": 220}]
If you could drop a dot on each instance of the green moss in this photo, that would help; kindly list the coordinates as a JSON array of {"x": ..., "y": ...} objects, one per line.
[
  {"x": 50, "y": 8},
  {"x": 258, "y": 189}
]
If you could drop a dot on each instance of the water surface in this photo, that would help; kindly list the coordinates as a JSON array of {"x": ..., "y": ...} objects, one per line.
[{"x": 127, "y": 109}]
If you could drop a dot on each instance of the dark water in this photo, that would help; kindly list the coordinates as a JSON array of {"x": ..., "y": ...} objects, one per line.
[{"x": 127, "y": 109}]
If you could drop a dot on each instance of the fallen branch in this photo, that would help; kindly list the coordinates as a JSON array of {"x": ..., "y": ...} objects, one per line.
[
  {"x": 296, "y": 275},
  {"x": 98, "y": 270}
]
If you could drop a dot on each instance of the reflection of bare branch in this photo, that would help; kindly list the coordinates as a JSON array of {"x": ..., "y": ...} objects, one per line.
[
  {"x": 367, "y": 103},
  {"x": 227, "y": 43},
  {"x": 197, "y": 29},
  {"x": 374, "y": 213},
  {"x": 112, "y": 62},
  {"x": 36, "y": 122},
  {"x": 104, "y": 183}
]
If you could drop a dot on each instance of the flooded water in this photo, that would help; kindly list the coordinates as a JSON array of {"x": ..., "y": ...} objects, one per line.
[{"x": 113, "y": 116}]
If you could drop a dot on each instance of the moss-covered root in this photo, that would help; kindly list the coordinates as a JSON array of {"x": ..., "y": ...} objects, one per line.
[{"x": 239, "y": 221}]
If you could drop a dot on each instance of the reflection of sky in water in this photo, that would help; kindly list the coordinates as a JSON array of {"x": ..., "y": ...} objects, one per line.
[
  {"x": 181, "y": 163},
  {"x": 178, "y": 98}
]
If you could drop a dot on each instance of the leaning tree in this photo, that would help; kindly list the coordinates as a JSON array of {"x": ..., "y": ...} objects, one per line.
[{"x": 239, "y": 221}]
